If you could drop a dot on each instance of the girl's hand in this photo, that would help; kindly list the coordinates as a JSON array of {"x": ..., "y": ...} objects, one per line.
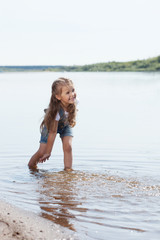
[{"x": 44, "y": 157}]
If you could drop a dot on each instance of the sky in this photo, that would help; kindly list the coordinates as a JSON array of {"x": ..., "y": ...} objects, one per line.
[{"x": 71, "y": 32}]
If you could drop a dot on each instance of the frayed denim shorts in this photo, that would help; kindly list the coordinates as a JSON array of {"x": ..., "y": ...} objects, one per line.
[{"x": 62, "y": 130}]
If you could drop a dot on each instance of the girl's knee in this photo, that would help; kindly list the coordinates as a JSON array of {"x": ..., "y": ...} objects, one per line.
[{"x": 67, "y": 147}]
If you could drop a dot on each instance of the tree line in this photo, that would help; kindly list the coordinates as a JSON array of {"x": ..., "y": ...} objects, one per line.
[{"x": 150, "y": 64}]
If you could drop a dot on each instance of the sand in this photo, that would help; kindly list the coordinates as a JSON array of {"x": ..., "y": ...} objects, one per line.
[{"x": 16, "y": 224}]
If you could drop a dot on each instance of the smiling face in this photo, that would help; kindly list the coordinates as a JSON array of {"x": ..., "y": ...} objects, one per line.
[{"x": 67, "y": 96}]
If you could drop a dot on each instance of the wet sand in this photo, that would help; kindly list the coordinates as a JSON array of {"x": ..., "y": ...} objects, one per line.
[{"x": 19, "y": 224}]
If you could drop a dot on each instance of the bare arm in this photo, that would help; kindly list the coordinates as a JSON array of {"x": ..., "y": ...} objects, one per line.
[{"x": 51, "y": 138}]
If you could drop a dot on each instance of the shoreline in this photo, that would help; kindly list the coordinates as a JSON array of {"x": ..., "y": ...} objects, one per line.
[
  {"x": 18, "y": 224},
  {"x": 149, "y": 64}
]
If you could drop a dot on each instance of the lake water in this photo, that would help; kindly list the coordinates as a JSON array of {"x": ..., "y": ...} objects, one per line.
[{"x": 114, "y": 190}]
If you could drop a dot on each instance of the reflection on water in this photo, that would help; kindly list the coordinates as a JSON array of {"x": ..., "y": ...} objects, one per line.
[
  {"x": 114, "y": 190},
  {"x": 57, "y": 197},
  {"x": 96, "y": 199},
  {"x": 93, "y": 203}
]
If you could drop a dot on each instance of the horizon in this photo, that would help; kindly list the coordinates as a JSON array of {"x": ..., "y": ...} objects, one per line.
[{"x": 60, "y": 65}]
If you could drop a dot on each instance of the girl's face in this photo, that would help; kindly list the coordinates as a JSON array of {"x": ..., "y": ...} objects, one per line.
[{"x": 67, "y": 96}]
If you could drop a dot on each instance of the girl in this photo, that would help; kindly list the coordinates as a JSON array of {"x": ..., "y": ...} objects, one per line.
[{"x": 59, "y": 118}]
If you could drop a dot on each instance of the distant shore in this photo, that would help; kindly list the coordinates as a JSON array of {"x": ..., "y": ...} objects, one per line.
[
  {"x": 18, "y": 224},
  {"x": 146, "y": 65}
]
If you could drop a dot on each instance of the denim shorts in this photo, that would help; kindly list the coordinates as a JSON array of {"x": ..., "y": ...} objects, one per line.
[{"x": 62, "y": 130}]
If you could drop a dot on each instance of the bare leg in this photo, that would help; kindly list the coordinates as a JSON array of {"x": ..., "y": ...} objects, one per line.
[
  {"x": 67, "y": 149},
  {"x": 35, "y": 158}
]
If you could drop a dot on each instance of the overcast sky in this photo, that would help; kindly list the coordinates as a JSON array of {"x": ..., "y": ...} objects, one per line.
[{"x": 71, "y": 32}]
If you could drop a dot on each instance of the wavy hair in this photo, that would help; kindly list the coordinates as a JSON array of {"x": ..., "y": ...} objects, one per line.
[{"x": 55, "y": 105}]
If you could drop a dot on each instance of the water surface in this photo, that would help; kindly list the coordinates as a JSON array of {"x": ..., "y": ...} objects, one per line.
[{"x": 114, "y": 189}]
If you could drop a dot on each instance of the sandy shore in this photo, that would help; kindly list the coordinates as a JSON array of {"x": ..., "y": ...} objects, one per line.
[{"x": 19, "y": 224}]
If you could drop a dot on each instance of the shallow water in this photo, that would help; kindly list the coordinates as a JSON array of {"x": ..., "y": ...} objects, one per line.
[{"x": 114, "y": 189}]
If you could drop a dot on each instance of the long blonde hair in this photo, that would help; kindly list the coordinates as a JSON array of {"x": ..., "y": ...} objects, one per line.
[{"x": 55, "y": 105}]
